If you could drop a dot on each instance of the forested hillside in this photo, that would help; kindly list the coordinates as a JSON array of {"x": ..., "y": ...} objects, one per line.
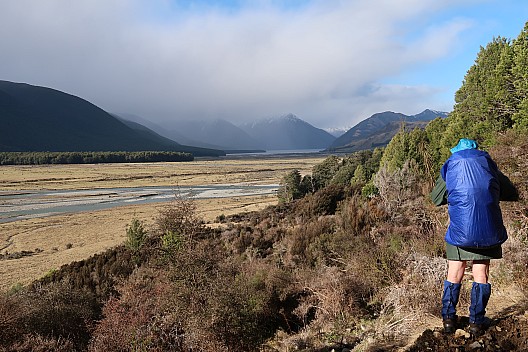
[
  {"x": 378, "y": 130},
  {"x": 351, "y": 258},
  {"x": 35, "y": 118}
]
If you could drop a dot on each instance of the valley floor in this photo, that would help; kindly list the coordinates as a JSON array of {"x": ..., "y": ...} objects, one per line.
[{"x": 31, "y": 248}]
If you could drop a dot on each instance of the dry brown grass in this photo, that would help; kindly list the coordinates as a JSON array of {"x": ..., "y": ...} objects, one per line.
[
  {"x": 71, "y": 237},
  {"x": 200, "y": 172}
]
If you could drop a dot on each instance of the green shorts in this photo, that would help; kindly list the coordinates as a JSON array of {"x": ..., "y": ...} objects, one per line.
[{"x": 458, "y": 253}]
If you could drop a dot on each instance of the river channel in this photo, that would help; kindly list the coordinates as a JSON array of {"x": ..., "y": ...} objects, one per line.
[{"x": 20, "y": 205}]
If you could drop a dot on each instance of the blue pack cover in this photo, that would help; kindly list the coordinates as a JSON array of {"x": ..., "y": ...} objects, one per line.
[{"x": 473, "y": 192}]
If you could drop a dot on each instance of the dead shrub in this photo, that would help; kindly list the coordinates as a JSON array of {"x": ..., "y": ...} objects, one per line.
[
  {"x": 306, "y": 243},
  {"x": 400, "y": 190},
  {"x": 135, "y": 320},
  {"x": 417, "y": 295},
  {"x": 357, "y": 216},
  {"x": 59, "y": 310},
  {"x": 38, "y": 343},
  {"x": 55, "y": 315},
  {"x": 180, "y": 217},
  {"x": 422, "y": 280},
  {"x": 223, "y": 303},
  {"x": 514, "y": 265},
  {"x": 12, "y": 313},
  {"x": 335, "y": 298}
]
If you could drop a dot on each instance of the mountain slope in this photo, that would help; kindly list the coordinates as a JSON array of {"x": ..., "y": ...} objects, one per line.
[
  {"x": 130, "y": 119},
  {"x": 219, "y": 133},
  {"x": 379, "y": 129},
  {"x": 149, "y": 134},
  {"x": 36, "y": 118},
  {"x": 288, "y": 132}
]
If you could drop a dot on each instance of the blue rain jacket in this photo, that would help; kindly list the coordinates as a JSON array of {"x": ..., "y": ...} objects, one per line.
[{"x": 473, "y": 190}]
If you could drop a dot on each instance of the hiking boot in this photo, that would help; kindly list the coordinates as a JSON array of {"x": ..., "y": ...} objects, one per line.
[
  {"x": 477, "y": 329},
  {"x": 450, "y": 325}
]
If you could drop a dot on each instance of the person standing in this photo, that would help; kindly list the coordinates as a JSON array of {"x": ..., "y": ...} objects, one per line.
[{"x": 472, "y": 186}]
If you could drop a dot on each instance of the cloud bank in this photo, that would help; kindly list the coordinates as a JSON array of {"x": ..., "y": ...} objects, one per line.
[{"x": 324, "y": 60}]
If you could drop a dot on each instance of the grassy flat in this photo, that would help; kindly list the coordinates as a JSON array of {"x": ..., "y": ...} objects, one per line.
[{"x": 65, "y": 238}]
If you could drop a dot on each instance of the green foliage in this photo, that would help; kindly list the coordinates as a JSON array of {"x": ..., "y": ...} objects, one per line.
[
  {"x": 307, "y": 185},
  {"x": 43, "y": 158},
  {"x": 410, "y": 146},
  {"x": 323, "y": 173},
  {"x": 290, "y": 187},
  {"x": 369, "y": 190},
  {"x": 171, "y": 242},
  {"x": 493, "y": 96},
  {"x": 520, "y": 79},
  {"x": 136, "y": 235},
  {"x": 354, "y": 170},
  {"x": 438, "y": 152}
]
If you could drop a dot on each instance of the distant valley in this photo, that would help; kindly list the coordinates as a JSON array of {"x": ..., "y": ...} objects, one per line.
[{"x": 36, "y": 118}]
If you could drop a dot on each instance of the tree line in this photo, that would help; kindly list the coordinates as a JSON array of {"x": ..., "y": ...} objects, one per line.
[
  {"x": 491, "y": 107},
  {"x": 43, "y": 158}
]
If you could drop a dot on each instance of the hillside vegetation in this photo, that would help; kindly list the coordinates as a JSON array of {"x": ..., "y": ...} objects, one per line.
[
  {"x": 42, "y": 119},
  {"x": 352, "y": 257}
]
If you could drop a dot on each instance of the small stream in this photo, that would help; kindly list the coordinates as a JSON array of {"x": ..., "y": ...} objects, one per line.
[{"x": 20, "y": 205}]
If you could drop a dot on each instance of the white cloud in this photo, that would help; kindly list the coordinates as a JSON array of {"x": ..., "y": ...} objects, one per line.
[{"x": 153, "y": 59}]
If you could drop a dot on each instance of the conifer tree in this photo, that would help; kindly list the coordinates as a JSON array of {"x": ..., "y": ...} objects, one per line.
[{"x": 520, "y": 78}]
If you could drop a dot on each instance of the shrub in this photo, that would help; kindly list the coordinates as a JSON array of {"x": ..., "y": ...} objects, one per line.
[
  {"x": 334, "y": 301},
  {"x": 322, "y": 202},
  {"x": 323, "y": 173},
  {"x": 179, "y": 217},
  {"x": 290, "y": 187},
  {"x": 399, "y": 189},
  {"x": 54, "y": 316},
  {"x": 12, "y": 314},
  {"x": 136, "y": 235},
  {"x": 137, "y": 320},
  {"x": 356, "y": 216},
  {"x": 307, "y": 243},
  {"x": 171, "y": 243},
  {"x": 38, "y": 343}
]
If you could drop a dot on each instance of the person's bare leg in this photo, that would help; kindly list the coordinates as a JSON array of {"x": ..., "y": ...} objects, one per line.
[
  {"x": 480, "y": 271},
  {"x": 455, "y": 270}
]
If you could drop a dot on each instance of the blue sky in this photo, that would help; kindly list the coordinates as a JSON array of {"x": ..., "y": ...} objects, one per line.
[{"x": 333, "y": 63}]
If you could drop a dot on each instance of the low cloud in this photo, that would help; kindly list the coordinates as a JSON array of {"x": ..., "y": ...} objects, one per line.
[{"x": 322, "y": 60}]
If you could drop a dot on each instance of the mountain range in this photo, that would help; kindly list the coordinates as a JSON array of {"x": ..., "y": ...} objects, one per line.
[
  {"x": 285, "y": 132},
  {"x": 218, "y": 133},
  {"x": 379, "y": 129},
  {"x": 36, "y": 118}
]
